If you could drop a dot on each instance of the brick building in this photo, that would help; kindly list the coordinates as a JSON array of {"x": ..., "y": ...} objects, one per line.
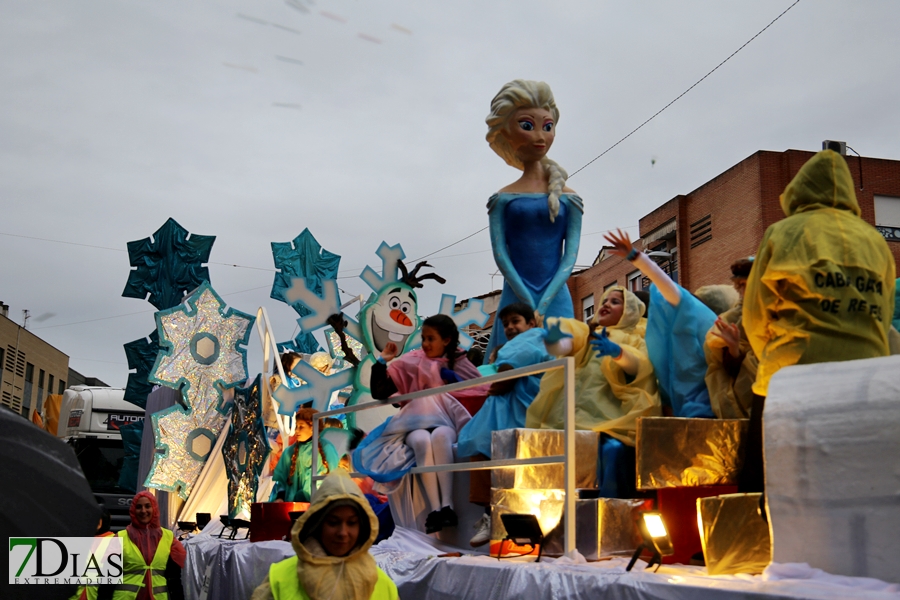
[{"x": 695, "y": 237}]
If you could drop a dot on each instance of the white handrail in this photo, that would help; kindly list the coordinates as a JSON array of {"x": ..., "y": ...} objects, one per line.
[
  {"x": 267, "y": 340},
  {"x": 567, "y": 458}
]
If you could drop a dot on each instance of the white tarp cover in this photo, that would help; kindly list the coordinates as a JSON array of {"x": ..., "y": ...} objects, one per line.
[
  {"x": 832, "y": 445},
  {"x": 410, "y": 559}
]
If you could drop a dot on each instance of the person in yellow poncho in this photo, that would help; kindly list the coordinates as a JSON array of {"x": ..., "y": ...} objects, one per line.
[
  {"x": 821, "y": 288},
  {"x": 731, "y": 363},
  {"x": 332, "y": 541},
  {"x": 611, "y": 391}
]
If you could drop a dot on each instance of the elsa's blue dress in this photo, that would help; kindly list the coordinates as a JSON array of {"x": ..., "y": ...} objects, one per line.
[{"x": 535, "y": 256}]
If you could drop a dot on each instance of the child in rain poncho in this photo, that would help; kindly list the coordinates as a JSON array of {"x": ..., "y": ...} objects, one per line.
[
  {"x": 293, "y": 473},
  {"x": 676, "y": 331},
  {"x": 508, "y": 402},
  {"x": 732, "y": 365},
  {"x": 822, "y": 285},
  {"x": 611, "y": 391},
  {"x": 332, "y": 541}
]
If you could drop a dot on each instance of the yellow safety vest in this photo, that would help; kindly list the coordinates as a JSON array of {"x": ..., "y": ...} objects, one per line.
[
  {"x": 285, "y": 586},
  {"x": 90, "y": 592},
  {"x": 134, "y": 576}
]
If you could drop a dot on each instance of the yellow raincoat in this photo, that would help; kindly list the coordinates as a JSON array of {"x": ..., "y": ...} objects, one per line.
[
  {"x": 821, "y": 288},
  {"x": 730, "y": 398},
  {"x": 604, "y": 400},
  {"x": 315, "y": 575}
]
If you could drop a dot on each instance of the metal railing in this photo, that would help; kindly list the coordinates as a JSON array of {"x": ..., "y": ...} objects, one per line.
[{"x": 567, "y": 458}]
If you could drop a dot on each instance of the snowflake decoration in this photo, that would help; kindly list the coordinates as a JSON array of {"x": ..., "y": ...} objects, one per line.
[
  {"x": 184, "y": 440},
  {"x": 303, "y": 343},
  {"x": 303, "y": 257},
  {"x": 318, "y": 388},
  {"x": 168, "y": 265},
  {"x": 472, "y": 314},
  {"x": 202, "y": 356},
  {"x": 245, "y": 449},
  {"x": 141, "y": 355}
]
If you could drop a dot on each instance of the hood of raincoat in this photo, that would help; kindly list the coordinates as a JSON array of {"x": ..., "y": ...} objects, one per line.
[
  {"x": 634, "y": 308},
  {"x": 823, "y": 182},
  {"x": 355, "y": 574}
]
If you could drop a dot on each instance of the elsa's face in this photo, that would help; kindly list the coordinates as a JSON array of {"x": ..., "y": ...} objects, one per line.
[{"x": 530, "y": 133}]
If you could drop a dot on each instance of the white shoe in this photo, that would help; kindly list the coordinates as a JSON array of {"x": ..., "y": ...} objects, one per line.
[{"x": 482, "y": 532}]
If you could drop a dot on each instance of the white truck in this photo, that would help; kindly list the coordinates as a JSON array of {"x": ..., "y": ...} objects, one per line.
[{"x": 89, "y": 421}]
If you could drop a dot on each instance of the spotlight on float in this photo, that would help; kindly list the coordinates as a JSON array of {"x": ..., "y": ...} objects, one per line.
[
  {"x": 524, "y": 529},
  {"x": 656, "y": 539}
]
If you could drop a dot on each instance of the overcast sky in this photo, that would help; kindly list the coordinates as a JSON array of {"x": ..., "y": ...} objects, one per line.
[{"x": 364, "y": 121}]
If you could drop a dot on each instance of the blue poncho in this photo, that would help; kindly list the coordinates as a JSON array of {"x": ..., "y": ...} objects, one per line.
[
  {"x": 675, "y": 336},
  {"x": 506, "y": 411}
]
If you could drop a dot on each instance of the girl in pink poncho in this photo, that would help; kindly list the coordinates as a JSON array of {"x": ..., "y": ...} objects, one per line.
[{"x": 425, "y": 429}]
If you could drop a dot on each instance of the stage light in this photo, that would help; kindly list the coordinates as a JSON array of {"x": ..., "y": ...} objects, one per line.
[
  {"x": 524, "y": 529},
  {"x": 656, "y": 539}
]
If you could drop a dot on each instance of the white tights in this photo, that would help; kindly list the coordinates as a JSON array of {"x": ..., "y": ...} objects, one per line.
[{"x": 434, "y": 448}]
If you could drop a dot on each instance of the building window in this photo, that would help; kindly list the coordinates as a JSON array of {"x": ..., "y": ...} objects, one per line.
[
  {"x": 40, "y": 391},
  {"x": 27, "y": 393},
  {"x": 606, "y": 288},
  {"x": 701, "y": 231},
  {"x": 50, "y": 384},
  {"x": 634, "y": 282},
  {"x": 887, "y": 217},
  {"x": 587, "y": 308},
  {"x": 62, "y": 387}
]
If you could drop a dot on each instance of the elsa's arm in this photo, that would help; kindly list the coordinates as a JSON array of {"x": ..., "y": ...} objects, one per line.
[
  {"x": 570, "y": 254},
  {"x": 496, "y": 208}
]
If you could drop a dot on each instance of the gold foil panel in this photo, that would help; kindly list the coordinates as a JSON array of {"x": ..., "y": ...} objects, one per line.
[
  {"x": 532, "y": 443},
  {"x": 603, "y": 526},
  {"x": 679, "y": 452},
  {"x": 735, "y": 537}
]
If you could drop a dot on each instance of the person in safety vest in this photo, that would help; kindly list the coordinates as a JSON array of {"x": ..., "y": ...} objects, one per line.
[
  {"x": 332, "y": 541},
  {"x": 152, "y": 558},
  {"x": 821, "y": 288},
  {"x": 89, "y": 592}
]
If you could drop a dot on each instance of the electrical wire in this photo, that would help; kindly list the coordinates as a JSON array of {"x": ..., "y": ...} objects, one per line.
[
  {"x": 590, "y": 162},
  {"x": 677, "y": 98}
]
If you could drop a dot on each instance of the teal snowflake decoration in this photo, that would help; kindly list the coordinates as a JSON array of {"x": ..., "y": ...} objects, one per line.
[
  {"x": 141, "y": 355},
  {"x": 302, "y": 257},
  {"x": 202, "y": 355},
  {"x": 168, "y": 265},
  {"x": 246, "y": 448}
]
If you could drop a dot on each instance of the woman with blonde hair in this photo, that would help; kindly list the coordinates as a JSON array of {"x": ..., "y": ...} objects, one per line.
[{"x": 536, "y": 220}]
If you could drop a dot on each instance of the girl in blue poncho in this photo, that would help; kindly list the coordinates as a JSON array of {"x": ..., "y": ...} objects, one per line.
[{"x": 676, "y": 331}]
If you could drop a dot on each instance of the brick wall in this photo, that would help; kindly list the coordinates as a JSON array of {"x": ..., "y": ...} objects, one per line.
[{"x": 741, "y": 203}]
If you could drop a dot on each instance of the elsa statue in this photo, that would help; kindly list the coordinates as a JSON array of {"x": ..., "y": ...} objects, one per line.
[{"x": 536, "y": 220}]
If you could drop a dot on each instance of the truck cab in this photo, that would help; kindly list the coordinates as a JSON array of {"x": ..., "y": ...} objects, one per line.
[{"x": 89, "y": 421}]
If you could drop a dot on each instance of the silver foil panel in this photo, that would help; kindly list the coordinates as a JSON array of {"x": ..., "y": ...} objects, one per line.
[{"x": 532, "y": 443}]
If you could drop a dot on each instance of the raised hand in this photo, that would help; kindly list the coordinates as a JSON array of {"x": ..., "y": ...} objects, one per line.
[
  {"x": 390, "y": 352},
  {"x": 554, "y": 334},
  {"x": 730, "y": 334},
  {"x": 603, "y": 346},
  {"x": 620, "y": 241}
]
